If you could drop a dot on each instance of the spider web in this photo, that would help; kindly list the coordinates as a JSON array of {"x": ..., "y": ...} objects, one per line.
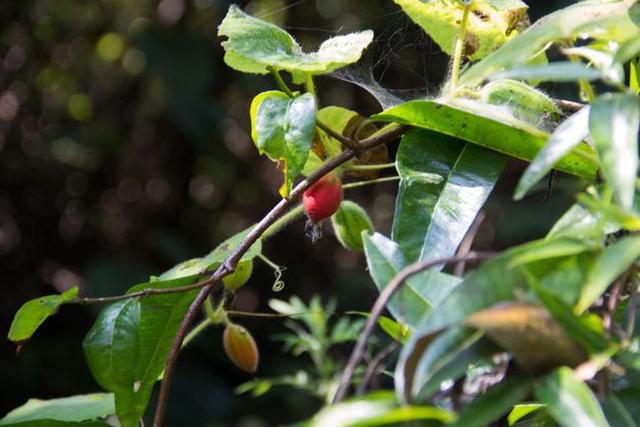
[{"x": 401, "y": 64}]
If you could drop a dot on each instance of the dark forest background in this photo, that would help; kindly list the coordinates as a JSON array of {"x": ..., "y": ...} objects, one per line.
[{"x": 125, "y": 149}]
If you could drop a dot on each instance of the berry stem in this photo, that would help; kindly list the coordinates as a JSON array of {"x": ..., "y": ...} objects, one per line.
[
  {"x": 281, "y": 83},
  {"x": 372, "y": 167},
  {"x": 369, "y": 182},
  {"x": 200, "y": 327},
  {"x": 459, "y": 48}
]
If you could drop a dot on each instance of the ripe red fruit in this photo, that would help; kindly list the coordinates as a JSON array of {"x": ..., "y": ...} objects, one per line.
[
  {"x": 241, "y": 348},
  {"x": 323, "y": 198}
]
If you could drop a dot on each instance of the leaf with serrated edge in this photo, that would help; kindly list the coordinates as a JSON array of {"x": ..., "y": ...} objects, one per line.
[{"x": 254, "y": 46}]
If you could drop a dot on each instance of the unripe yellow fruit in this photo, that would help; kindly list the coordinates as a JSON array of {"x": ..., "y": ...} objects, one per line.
[
  {"x": 241, "y": 348},
  {"x": 239, "y": 277}
]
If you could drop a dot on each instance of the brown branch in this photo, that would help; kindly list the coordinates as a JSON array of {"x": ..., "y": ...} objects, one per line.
[
  {"x": 228, "y": 266},
  {"x": 143, "y": 293},
  {"x": 380, "y": 305},
  {"x": 349, "y": 143},
  {"x": 373, "y": 366},
  {"x": 465, "y": 245}
]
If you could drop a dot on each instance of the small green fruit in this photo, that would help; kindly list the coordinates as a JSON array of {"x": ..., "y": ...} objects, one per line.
[
  {"x": 348, "y": 224},
  {"x": 239, "y": 277}
]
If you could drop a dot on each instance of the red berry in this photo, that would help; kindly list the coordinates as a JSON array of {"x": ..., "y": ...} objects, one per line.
[{"x": 323, "y": 198}]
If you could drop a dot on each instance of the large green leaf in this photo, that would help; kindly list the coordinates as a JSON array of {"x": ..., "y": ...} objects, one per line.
[
  {"x": 522, "y": 100},
  {"x": 570, "y": 401},
  {"x": 565, "y": 138},
  {"x": 617, "y": 415},
  {"x": 615, "y": 260},
  {"x": 613, "y": 123},
  {"x": 128, "y": 345},
  {"x": 497, "y": 401},
  {"x": 584, "y": 330},
  {"x": 415, "y": 298},
  {"x": 546, "y": 344},
  {"x": 581, "y": 223},
  {"x": 601, "y": 19},
  {"x": 375, "y": 409},
  {"x": 447, "y": 357},
  {"x": 487, "y": 126},
  {"x": 254, "y": 46},
  {"x": 283, "y": 129},
  {"x": 34, "y": 312},
  {"x": 489, "y": 26},
  {"x": 504, "y": 278},
  {"x": 553, "y": 72},
  {"x": 73, "y": 409},
  {"x": 433, "y": 216}
]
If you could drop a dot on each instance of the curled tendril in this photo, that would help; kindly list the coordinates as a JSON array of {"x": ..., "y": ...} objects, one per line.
[{"x": 278, "y": 285}]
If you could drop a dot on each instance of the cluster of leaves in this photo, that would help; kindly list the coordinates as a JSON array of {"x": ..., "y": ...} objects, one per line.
[
  {"x": 312, "y": 334},
  {"x": 561, "y": 311}
]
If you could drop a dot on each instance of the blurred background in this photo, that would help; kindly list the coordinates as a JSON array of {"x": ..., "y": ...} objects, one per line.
[{"x": 125, "y": 149}]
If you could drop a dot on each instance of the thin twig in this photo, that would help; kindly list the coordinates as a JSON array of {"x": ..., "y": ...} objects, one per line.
[
  {"x": 374, "y": 366},
  {"x": 567, "y": 105},
  {"x": 369, "y": 182},
  {"x": 335, "y": 135},
  {"x": 143, "y": 293},
  {"x": 228, "y": 266},
  {"x": 465, "y": 245},
  {"x": 381, "y": 303}
]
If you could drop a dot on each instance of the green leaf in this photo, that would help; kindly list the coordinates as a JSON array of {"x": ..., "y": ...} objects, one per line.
[
  {"x": 580, "y": 328},
  {"x": 613, "y": 123},
  {"x": 535, "y": 340},
  {"x": 254, "y": 46},
  {"x": 599, "y": 19},
  {"x": 627, "y": 51},
  {"x": 581, "y": 223},
  {"x": 614, "y": 260},
  {"x": 375, "y": 409},
  {"x": 196, "y": 267},
  {"x": 553, "y": 72},
  {"x": 47, "y": 422},
  {"x": 129, "y": 343},
  {"x": 521, "y": 411},
  {"x": 421, "y": 292},
  {"x": 617, "y": 415},
  {"x": 490, "y": 25},
  {"x": 433, "y": 216},
  {"x": 34, "y": 312},
  {"x": 395, "y": 330},
  {"x": 570, "y": 401},
  {"x": 522, "y": 100},
  {"x": 488, "y": 127},
  {"x": 565, "y": 138},
  {"x": 283, "y": 129},
  {"x": 447, "y": 357},
  {"x": 73, "y": 409},
  {"x": 493, "y": 404}
]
